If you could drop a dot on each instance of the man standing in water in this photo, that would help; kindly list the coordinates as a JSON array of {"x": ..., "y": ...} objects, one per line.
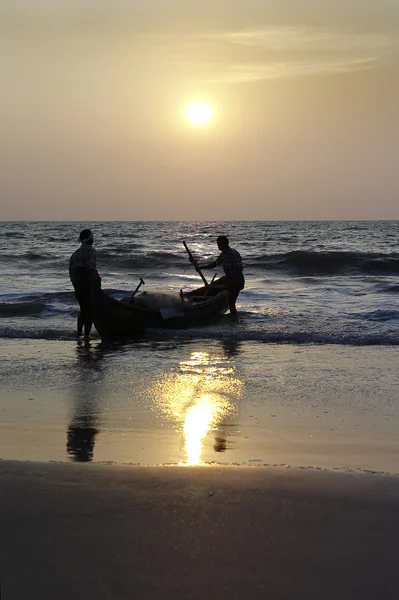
[
  {"x": 82, "y": 267},
  {"x": 231, "y": 262}
]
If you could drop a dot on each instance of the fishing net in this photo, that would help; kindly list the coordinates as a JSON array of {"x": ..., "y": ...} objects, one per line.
[{"x": 156, "y": 300}]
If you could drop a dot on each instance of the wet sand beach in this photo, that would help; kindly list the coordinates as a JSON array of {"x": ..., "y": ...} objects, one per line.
[
  {"x": 100, "y": 532},
  {"x": 183, "y": 402}
]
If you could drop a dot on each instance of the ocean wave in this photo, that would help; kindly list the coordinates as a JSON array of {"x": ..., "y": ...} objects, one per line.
[
  {"x": 388, "y": 289},
  {"x": 14, "y": 234},
  {"x": 117, "y": 252},
  {"x": 282, "y": 337},
  {"x": 356, "y": 228},
  {"x": 302, "y": 263},
  {"x": 39, "y": 334},
  {"x": 379, "y": 315},
  {"x": 46, "y": 304},
  {"x": 58, "y": 239},
  {"x": 28, "y": 257},
  {"x": 45, "y": 297},
  {"x": 227, "y": 337},
  {"x": 148, "y": 261},
  {"x": 58, "y": 296},
  {"x": 306, "y": 263},
  {"x": 34, "y": 256},
  {"x": 21, "y": 309},
  {"x": 24, "y": 305}
]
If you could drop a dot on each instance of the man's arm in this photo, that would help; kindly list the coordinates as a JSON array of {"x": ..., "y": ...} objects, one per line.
[
  {"x": 214, "y": 263},
  {"x": 210, "y": 265},
  {"x": 91, "y": 262}
]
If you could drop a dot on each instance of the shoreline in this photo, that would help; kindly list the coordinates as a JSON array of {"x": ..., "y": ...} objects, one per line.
[
  {"x": 251, "y": 464},
  {"x": 300, "y": 448},
  {"x": 217, "y": 532}
]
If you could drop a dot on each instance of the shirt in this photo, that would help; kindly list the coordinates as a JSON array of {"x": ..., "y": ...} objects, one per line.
[
  {"x": 83, "y": 258},
  {"x": 231, "y": 261}
]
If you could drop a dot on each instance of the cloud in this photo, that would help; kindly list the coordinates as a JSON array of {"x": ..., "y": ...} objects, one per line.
[
  {"x": 247, "y": 55},
  {"x": 281, "y": 52},
  {"x": 304, "y": 38},
  {"x": 258, "y": 72},
  {"x": 209, "y": 41}
]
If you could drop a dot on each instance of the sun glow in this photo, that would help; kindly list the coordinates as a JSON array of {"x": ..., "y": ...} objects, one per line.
[{"x": 199, "y": 114}]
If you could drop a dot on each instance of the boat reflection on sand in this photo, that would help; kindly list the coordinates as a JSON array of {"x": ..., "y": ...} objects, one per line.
[{"x": 198, "y": 396}]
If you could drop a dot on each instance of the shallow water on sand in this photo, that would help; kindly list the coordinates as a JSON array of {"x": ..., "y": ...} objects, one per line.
[{"x": 194, "y": 402}]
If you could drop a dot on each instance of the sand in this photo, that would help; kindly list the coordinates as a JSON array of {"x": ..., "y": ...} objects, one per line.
[
  {"x": 109, "y": 531},
  {"x": 113, "y": 532},
  {"x": 190, "y": 402}
]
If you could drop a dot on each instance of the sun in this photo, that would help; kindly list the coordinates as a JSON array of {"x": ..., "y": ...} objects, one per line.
[{"x": 199, "y": 114}]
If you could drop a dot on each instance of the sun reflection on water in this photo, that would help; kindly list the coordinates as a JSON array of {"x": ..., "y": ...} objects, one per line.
[{"x": 198, "y": 395}]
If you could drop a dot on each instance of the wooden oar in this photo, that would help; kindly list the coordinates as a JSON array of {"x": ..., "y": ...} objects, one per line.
[
  {"x": 205, "y": 295},
  {"x": 192, "y": 259},
  {"x": 142, "y": 282}
]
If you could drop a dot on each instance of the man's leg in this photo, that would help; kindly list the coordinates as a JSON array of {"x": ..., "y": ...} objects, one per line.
[
  {"x": 233, "y": 295},
  {"x": 81, "y": 321},
  {"x": 81, "y": 316},
  {"x": 237, "y": 284},
  {"x": 233, "y": 290},
  {"x": 84, "y": 315},
  {"x": 88, "y": 322}
]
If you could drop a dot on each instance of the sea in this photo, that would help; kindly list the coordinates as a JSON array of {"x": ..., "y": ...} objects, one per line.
[
  {"x": 306, "y": 376},
  {"x": 306, "y": 282}
]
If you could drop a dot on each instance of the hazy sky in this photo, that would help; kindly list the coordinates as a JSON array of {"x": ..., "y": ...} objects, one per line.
[{"x": 305, "y": 95}]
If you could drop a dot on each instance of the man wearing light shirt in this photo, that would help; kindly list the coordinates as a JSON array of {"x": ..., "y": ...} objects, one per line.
[
  {"x": 82, "y": 268},
  {"x": 231, "y": 261}
]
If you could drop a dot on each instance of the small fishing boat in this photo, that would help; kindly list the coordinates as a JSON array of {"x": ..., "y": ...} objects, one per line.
[
  {"x": 133, "y": 315},
  {"x": 124, "y": 318}
]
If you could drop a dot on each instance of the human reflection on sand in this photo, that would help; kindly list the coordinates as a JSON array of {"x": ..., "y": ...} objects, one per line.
[
  {"x": 83, "y": 427},
  {"x": 200, "y": 393}
]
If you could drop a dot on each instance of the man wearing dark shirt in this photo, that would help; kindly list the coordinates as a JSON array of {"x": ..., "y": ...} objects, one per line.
[
  {"x": 231, "y": 262},
  {"x": 82, "y": 267}
]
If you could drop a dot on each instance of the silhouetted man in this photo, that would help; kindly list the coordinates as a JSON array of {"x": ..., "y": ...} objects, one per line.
[
  {"x": 231, "y": 262},
  {"x": 82, "y": 267}
]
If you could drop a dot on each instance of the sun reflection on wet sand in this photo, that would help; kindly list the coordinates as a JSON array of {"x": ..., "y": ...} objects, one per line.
[
  {"x": 198, "y": 421},
  {"x": 198, "y": 396}
]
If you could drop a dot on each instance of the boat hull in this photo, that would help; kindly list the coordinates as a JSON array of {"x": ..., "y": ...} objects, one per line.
[{"x": 116, "y": 319}]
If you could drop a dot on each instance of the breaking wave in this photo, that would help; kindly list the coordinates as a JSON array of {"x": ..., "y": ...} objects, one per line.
[
  {"x": 21, "y": 309},
  {"x": 229, "y": 337},
  {"x": 306, "y": 262}
]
